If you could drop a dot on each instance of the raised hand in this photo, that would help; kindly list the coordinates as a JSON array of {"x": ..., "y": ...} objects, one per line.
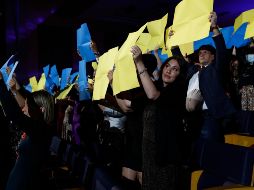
[
  {"x": 213, "y": 19},
  {"x": 171, "y": 33},
  {"x": 12, "y": 84},
  {"x": 136, "y": 54}
]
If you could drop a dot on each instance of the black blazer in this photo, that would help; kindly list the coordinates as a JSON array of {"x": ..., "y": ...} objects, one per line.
[{"x": 212, "y": 79}]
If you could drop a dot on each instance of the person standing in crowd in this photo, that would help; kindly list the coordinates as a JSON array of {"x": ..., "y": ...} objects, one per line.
[
  {"x": 210, "y": 79},
  {"x": 163, "y": 148},
  {"x": 217, "y": 107},
  {"x": 36, "y": 121}
]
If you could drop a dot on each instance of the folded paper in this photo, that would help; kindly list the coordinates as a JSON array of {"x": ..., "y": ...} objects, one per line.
[
  {"x": 124, "y": 66},
  {"x": 190, "y": 21},
  {"x": 106, "y": 63}
]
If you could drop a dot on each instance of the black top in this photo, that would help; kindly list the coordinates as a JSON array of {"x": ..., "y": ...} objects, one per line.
[
  {"x": 169, "y": 129},
  {"x": 32, "y": 150}
]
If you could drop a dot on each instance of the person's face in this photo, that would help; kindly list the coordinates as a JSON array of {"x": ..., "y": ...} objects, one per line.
[
  {"x": 25, "y": 109},
  {"x": 235, "y": 65},
  {"x": 205, "y": 57},
  {"x": 170, "y": 71}
]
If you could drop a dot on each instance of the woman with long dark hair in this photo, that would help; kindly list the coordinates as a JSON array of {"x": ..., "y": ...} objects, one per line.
[{"x": 163, "y": 147}]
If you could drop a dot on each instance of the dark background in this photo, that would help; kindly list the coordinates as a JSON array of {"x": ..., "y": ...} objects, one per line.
[{"x": 43, "y": 32}]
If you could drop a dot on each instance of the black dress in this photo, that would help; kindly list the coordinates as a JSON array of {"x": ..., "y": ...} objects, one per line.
[
  {"x": 163, "y": 142},
  {"x": 134, "y": 128}
]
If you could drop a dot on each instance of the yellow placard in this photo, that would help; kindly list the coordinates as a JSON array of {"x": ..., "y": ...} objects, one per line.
[
  {"x": 249, "y": 30},
  {"x": 246, "y": 16},
  {"x": 187, "y": 49},
  {"x": 156, "y": 29},
  {"x": 42, "y": 82},
  {"x": 106, "y": 63},
  {"x": 94, "y": 65},
  {"x": 143, "y": 42},
  {"x": 126, "y": 75},
  {"x": 190, "y": 22},
  {"x": 64, "y": 93},
  {"x": 33, "y": 83},
  {"x": 124, "y": 65}
]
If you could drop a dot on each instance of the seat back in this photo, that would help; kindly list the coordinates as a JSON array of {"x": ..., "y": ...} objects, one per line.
[
  {"x": 226, "y": 162},
  {"x": 103, "y": 180}
]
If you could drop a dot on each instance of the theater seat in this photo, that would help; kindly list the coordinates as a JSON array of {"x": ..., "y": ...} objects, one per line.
[
  {"x": 241, "y": 140},
  {"x": 103, "y": 180},
  {"x": 224, "y": 164}
]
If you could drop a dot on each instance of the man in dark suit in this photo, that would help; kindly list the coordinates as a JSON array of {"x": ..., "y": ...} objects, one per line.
[
  {"x": 217, "y": 106},
  {"x": 209, "y": 76}
]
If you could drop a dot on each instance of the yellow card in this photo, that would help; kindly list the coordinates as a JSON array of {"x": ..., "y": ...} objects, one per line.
[
  {"x": 33, "y": 83},
  {"x": 42, "y": 82},
  {"x": 127, "y": 75},
  {"x": 190, "y": 21},
  {"x": 94, "y": 65},
  {"x": 106, "y": 63},
  {"x": 246, "y": 16},
  {"x": 64, "y": 93},
  {"x": 249, "y": 30},
  {"x": 143, "y": 42},
  {"x": 187, "y": 48},
  {"x": 156, "y": 29}
]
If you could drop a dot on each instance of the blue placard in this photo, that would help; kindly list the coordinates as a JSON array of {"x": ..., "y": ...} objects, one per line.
[
  {"x": 83, "y": 43},
  {"x": 83, "y": 34},
  {"x": 163, "y": 57},
  {"x": 72, "y": 77},
  {"x": 46, "y": 70},
  {"x": 54, "y": 75},
  {"x": 9, "y": 62},
  {"x": 86, "y": 52},
  {"x": 227, "y": 34},
  {"x": 65, "y": 77},
  {"x": 28, "y": 87},
  {"x": 82, "y": 81},
  {"x": 49, "y": 85},
  {"x": 205, "y": 41},
  {"x": 237, "y": 39}
]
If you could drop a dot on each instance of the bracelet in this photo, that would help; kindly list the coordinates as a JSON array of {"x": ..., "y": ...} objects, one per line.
[{"x": 141, "y": 72}]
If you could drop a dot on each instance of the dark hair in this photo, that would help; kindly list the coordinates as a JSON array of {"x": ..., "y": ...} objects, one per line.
[
  {"x": 150, "y": 62},
  {"x": 182, "y": 66},
  {"x": 40, "y": 99},
  {"x": 208, "y": 48},
  {"x": 240, "y": 63}
]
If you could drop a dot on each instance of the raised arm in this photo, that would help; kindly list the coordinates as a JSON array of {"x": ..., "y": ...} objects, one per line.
[
  {"x": 148, "y": 85},
  {"x": 221, "y": 50},
  {"x": 16, "y": 93}
]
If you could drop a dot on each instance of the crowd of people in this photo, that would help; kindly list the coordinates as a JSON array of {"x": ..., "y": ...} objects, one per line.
[{"x": 146, "y": 135}]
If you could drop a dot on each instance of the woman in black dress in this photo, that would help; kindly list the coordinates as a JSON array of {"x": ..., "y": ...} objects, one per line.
[{"x": 163, "y": 143}]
